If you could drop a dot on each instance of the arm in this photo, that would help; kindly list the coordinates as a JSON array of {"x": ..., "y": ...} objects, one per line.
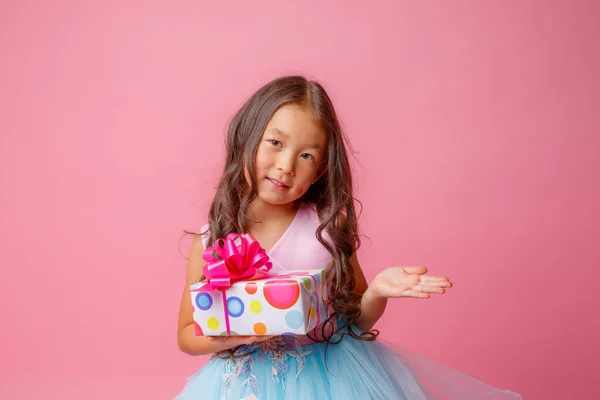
[
  {"x": 371, "y": 305},
  {"x": 187, "y": 341},
  {"x": 408, "y": 282}
]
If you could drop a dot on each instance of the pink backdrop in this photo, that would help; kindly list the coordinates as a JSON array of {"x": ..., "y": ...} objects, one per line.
[{"x": 477, "y": 136}]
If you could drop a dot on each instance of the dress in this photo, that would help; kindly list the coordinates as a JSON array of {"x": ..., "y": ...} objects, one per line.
[{"x": 288, "y": 367}]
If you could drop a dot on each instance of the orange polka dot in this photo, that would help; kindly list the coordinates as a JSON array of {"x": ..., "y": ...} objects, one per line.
[
  {"x": 260, "y": 328},
  {"x": 251, "y": 287}
]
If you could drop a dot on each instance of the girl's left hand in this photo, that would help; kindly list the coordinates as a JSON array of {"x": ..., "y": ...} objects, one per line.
[{"x": 407, "y": 282}]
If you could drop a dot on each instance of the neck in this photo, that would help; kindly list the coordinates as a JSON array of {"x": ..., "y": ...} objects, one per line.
[{"x": 261, "y": 211}]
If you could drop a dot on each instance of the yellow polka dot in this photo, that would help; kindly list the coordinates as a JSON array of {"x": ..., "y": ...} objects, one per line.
[
  {"x": 213, "y": 323},
  {"x": 255, "y": 306},
  {"x": 312, "y": 312},
  {"x": 260, "y": 328}
]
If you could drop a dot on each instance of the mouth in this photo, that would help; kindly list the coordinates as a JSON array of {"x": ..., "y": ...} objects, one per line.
[{"x": 277, "y": 184}]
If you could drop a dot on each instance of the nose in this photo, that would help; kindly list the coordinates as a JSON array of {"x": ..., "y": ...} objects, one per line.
[{"x": 285, "y": 163}]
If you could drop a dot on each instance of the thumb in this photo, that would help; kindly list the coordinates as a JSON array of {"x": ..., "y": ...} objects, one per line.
[{"x": 415, "y": 270}]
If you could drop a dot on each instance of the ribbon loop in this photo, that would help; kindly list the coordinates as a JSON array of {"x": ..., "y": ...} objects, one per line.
[{"x": 238, "y": 258}]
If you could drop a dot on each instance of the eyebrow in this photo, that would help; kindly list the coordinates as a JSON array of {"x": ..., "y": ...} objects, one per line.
[{"x": 279, "y": 132}]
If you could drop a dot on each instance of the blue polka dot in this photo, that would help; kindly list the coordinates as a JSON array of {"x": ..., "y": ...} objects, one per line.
[
  {"x": 235, "y": 306},
  {"x": 294, "y": 319},
  {"x": 204, "y": 301}
]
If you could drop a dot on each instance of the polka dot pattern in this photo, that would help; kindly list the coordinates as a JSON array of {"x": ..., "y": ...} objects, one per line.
[
  {"x": 282, "y": 293},
  {"x": 294, "y": 319},
  {"x": 198, "y": 329},
  {"x": 251, "y": 287},
  {"x": 235, "y": 306},
  {"x": 289, "y": 304},
  {"x": 204, "y": 301},
  {"x": 307, "y": 282},
  {"x": 213, "y": 323},
  {"x": 260, "y": 328},
  {"x": 255, "y": 306}
]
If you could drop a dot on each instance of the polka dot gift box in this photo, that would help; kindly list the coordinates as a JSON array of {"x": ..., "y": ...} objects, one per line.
[
  {"x": 241, "y": 297},
  {"x": 290, "y": 302}
]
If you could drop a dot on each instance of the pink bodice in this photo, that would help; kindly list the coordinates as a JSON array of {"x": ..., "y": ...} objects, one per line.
[{"x": 298, "y": 247}]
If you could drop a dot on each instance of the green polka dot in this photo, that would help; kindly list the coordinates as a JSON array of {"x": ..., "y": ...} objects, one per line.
[{"x": 307, "y": 282}]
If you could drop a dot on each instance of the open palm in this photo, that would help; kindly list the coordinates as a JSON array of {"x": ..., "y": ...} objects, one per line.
[{"x": 408, "y": 282}]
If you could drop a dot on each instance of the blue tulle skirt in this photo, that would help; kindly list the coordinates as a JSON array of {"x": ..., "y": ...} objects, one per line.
[{"x": 282, "y": 369}]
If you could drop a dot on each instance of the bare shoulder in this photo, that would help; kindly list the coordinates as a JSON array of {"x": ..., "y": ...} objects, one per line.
[{"x": 195, "y": 266}]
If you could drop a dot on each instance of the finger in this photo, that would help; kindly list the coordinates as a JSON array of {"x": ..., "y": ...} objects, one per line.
[
  {"x": 416, "y": 295},
  {"x": 403, "y": 292},
  {"x": 231, "y": 339},
  {"x": 435, "y": 280},
  {"x": 415, "y": 270},
  {"x": 428, "y": 289},
  {"x": 437, "y": 283}
]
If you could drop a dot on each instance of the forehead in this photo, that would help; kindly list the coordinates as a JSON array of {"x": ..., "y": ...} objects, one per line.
[{"x": 298, "y": 124}]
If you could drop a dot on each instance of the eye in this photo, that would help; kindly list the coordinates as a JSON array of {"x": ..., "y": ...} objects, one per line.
[
  {"x": 307, "y": 156},
  {"x": 274, "y": 142}
]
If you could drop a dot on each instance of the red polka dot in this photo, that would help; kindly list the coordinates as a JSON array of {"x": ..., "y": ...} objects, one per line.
[
  {"x": 251, "y": 287},
  {"x": 198, "y": 330}
]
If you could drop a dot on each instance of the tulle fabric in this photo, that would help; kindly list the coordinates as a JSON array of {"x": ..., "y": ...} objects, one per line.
[{"x": 353, "y": 369}]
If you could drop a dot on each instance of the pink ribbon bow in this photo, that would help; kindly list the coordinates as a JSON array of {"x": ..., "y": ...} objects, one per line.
[
  {"x": 244, "y": 260},
  {"x": 240, "y": 257}
]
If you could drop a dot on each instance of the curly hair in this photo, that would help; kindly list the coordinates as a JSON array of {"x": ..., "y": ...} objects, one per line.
[{"x": 331, "y": 194}]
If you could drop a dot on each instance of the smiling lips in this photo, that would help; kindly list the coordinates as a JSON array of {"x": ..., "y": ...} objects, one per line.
[{"x": 277, "y": 184}]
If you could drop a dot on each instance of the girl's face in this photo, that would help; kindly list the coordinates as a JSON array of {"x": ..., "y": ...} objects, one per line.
[{"x": 288, "y": 155}]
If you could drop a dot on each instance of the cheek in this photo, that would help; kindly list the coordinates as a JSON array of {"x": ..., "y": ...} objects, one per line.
[
  {"x": 261, "y": 160},
  {"x": 302, "y": 188},
  {"x": 306, "y": 176}
]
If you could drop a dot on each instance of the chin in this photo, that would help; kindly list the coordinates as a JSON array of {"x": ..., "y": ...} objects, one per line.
[
  {"x": 269, "y": 199},
  {"x": 274, "y": 202}
]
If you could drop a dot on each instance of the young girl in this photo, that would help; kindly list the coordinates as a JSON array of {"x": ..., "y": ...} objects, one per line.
[{"x": 287, "y": 182}]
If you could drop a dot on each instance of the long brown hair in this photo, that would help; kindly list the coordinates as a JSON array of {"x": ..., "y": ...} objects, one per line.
[{"x": 331, "y": 194}]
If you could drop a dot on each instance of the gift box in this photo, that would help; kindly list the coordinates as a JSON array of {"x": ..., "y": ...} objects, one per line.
[{"x": 241, "y": 296}]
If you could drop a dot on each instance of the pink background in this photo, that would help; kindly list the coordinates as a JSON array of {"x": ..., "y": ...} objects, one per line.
[{"x": 477, "y": 135}]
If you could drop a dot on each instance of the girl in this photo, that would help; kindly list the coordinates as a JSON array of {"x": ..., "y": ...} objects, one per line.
[{"x": 287, "y": 182}]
